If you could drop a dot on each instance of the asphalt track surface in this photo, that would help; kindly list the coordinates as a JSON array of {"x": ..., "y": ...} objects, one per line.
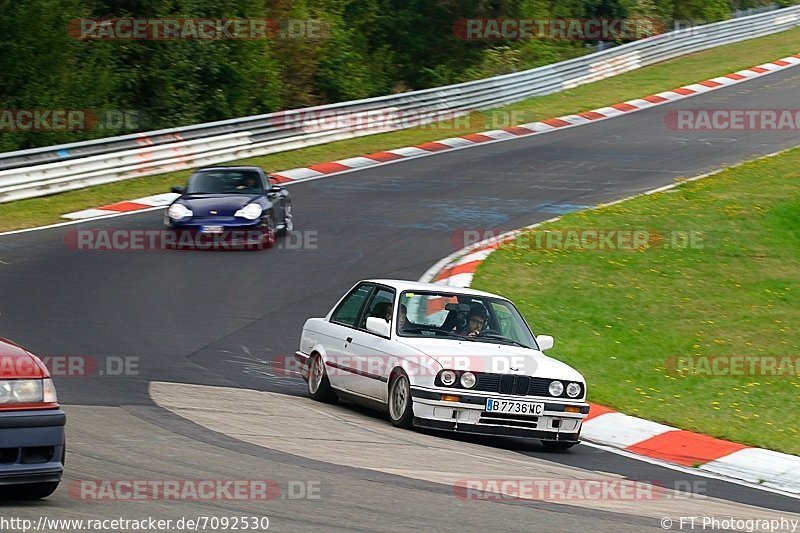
[{"x": 214, "y": 319}]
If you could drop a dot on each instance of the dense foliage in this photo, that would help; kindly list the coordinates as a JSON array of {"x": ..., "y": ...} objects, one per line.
[{"x": 367, "y": 48}]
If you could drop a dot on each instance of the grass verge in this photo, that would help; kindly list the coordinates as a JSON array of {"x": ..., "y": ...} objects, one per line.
[
  {"x": 623, "y": 316},
  {"x": 642, "y": 82}
]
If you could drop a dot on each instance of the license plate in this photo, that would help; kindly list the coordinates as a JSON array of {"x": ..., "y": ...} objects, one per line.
[
  {"x": 211, "y": 229},
  {"x": 514, "y": 407}
]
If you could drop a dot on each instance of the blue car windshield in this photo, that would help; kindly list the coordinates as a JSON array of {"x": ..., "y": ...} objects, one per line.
[{"x": 225, "y": 182}]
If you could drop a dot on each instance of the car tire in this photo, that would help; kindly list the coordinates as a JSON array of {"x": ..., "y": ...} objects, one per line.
[
  {"x": 319, "y": 386},
  {"x": 28, "y": 491},
  {"x": 557, "y": 446},
  {"x": 288, "y": 219},
  {"x": 400, "y": 403}
]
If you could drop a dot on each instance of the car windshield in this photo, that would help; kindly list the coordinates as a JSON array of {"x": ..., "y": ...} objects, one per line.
[
  {"x": 225, "y": 182},
  {"x": 476, "y": 318}
]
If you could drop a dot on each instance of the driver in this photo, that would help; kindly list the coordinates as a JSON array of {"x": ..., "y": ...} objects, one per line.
[
  {"x": 476, "y": 320},
  {"x": 250, "y": 183}
]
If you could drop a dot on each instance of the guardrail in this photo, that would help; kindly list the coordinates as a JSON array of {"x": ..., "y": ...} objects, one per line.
[{"x": 42, "y": 171}]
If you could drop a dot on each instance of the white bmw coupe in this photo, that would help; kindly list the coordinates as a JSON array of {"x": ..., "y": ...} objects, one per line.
[{"x": 444, "y": 358}]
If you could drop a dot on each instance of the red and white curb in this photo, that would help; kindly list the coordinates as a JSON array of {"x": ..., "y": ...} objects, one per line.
[
  {"x": 350, "y": 164},
  {"x": 604, "y": 426},
  {"x": 139, "y": 204},
  {"x": 534, "y": 128}
]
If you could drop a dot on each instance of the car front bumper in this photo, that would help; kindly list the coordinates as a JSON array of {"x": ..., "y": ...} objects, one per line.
[
  {"x": 31, "y": 446},
  {"x": 236, "y": 232},
  {"x": 468, "y": 415}
]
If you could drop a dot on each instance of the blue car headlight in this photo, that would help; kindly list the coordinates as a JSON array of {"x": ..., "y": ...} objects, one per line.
[
  {"x": 250, "y": 212},
  {"x": 179, "y": 211}
]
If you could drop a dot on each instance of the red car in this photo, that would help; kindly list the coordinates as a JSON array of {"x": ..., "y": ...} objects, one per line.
[{"x": 31, "y": 426}]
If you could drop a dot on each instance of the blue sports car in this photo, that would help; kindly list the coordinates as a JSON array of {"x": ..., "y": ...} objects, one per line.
[{"x": 229, "y": 207}]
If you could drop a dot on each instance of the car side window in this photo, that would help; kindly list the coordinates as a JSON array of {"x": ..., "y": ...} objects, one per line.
[
  {"x": 378, "y": 305},
  {"x": 348, "y": 310}
]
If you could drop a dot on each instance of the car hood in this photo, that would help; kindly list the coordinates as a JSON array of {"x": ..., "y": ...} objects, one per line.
[
  {"x": 223, "y": 204},
  {"x": 17, "y": 363},
  {"x": 493, "y": 358}
]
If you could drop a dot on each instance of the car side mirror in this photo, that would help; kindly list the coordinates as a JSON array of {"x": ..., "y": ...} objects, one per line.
[
  {"x": 178, "y": 189},
  {"x": 275, "y": 189},
  {"x": 545, "y": 342},
  {"x": 378, "y": 325}
]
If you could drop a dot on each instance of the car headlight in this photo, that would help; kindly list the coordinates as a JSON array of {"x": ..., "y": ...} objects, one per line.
[
  {"x": 179, "y": 211},
  {"x": 250, "y": 212},
  {"x": 448, "y": 378},
  {"x": 573, "y": 390},
  {"x": 555, "y": 388},
  {"x": 468, "y": 380},
  {"x": 21, "y": 391}
]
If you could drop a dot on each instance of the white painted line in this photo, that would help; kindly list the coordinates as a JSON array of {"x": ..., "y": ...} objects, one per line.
[
  {"x": 499, "y": 134},
  {"x": 480, "y": 255},
  {"x": 671, "y": 96},
  {"x": 538, "y": 127},
  {"x": 157, "y": 199},
  {"x": 575, "y": 120},
  {"x": 698, "y": 88},
  {"x": 685, "y": 469},
  {"x": 82, "y": 221},
  {"x": 299, "y": 173},
  {"x": 620, "y": 430},
  {"x": 409, "y": 151},
  {"x": 456, "y": 142},
  {"x": 765, "y": 467},
  {"x": 357, "y": 162},
  {"x": 87, "y": 213},
  {"x": 459, "y": 280},
  {"x": 610, "y": 112},
  {"x": 725, "y": 81},
  {"x": 641, "y": 103},
  {"x": 772, "y": 67}
]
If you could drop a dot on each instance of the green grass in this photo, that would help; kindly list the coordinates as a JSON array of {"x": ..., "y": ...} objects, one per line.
[
  {"x": 642, "y": 82},
  {"x": 618, "y": 316}
]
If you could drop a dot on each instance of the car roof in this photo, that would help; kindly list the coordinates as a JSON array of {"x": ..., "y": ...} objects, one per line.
[
  {"x": 202, "y": 169},
  {"x": 404, "y": 285}
]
